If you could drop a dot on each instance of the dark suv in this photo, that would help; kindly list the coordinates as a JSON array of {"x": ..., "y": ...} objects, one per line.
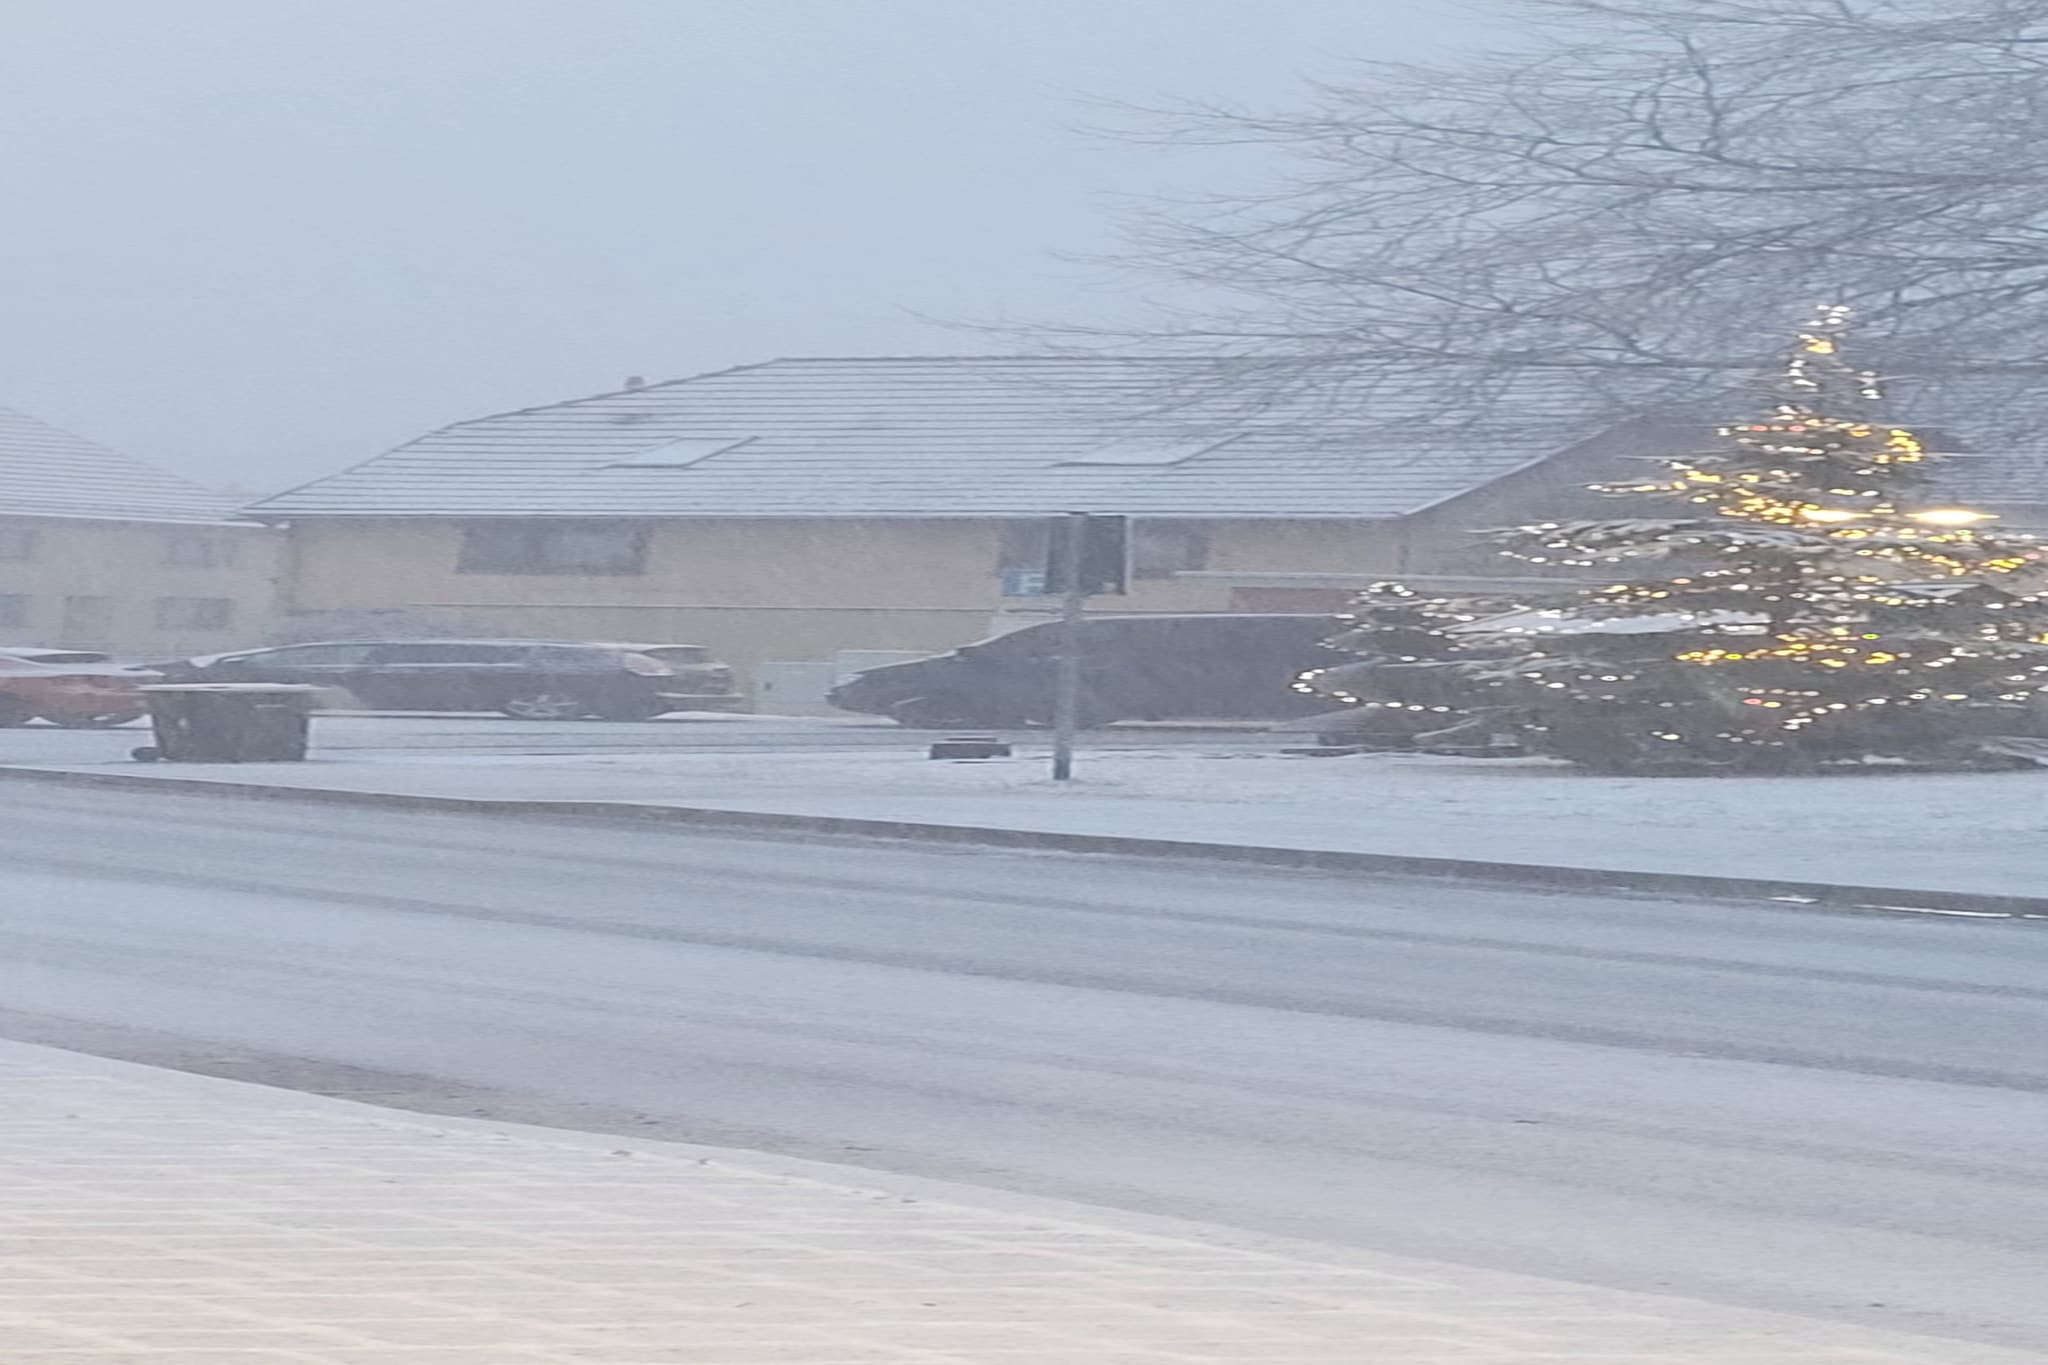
[
  {"x": 1133, "y": 668},
  {"x": 526, "y": 679}
]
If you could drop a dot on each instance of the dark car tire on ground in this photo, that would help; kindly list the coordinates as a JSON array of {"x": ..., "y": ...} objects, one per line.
[
  {"x": 14, "y": 711},
  {"x": 544, "y": 705}
]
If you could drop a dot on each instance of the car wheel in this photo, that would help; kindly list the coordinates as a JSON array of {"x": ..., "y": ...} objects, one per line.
[
  {"x": 544, "y": 706},
  {"x": 106, "y": 722},
  {"x": 14, "y": 711}
]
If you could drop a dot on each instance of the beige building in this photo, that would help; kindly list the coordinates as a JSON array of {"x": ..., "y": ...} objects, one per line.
[
  {"x": 100, "y": 551},
  {"x": 795, "y": 509},
  {"x": 799, "y": 508}
]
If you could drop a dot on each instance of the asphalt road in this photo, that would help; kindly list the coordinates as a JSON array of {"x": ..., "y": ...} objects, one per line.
[{"x": 1834, "y": 1114}]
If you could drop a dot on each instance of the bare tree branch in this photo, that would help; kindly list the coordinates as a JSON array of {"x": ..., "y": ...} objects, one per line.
[{"x": 1642, "y": 194}]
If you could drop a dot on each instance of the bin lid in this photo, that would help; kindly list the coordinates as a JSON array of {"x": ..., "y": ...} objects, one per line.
[{"x": 230, "y": 687}]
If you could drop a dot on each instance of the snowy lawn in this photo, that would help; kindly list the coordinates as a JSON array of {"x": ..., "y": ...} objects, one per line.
[{"x": 1941, "y": 832}]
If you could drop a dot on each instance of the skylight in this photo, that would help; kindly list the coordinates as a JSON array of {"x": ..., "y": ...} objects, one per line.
[
  {"x": 681, "y": 453},
  {"x": 1142, "y": 451}
]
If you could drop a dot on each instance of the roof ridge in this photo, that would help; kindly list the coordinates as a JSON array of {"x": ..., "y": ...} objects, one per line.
[
  {"x": 591, "y": 398},
  {"x": 1004, "y": 356},
  {"x": 446, "y": 427}
]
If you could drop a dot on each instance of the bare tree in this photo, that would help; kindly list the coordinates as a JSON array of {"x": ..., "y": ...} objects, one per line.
[{"x": 1639, "y": 194}]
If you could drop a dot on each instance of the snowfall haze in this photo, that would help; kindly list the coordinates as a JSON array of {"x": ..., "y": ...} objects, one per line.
[
  {"x": 1057, "y": 680},
  {"x": 267, "y": 237}
]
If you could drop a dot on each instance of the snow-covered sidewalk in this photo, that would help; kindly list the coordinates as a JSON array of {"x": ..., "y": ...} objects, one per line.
[
  {"x": 156, "y": 1218},
  {"x": 1979, "y": 834}
]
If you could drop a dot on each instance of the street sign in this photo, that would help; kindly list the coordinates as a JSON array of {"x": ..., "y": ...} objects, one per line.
[{"x": 1024, "y": 583}]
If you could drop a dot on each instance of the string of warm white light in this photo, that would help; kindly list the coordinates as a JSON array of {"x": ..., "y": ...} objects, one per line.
[{"x": 1815, "y": 597}]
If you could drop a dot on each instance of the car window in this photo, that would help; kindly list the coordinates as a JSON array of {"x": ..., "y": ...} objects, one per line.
[
  {"x": 305, "y": 656},
  {"x": 1030, "y": 642},
  {"x": 679, "y": 654},
  {"x": 442, "y": 654},
  {"x": 571, "y": 657}
]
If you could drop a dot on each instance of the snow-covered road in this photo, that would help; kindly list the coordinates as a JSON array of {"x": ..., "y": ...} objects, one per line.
[{"x": 1833, "y": 1114}]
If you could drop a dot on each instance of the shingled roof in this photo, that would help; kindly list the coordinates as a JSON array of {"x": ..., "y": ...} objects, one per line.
[
  {"x": 1993, "y": 428},
  {"x": 48, "y": 472},
  {"x": 964, "y": 436},
  {"x": 947, "y": 437}
]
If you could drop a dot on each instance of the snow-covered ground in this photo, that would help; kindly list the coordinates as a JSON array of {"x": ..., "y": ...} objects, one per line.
[{"x": 1982, "y": 833}]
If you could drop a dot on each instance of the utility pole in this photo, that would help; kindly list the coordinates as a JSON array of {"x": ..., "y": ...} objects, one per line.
[{"x": 1073, "y": 606}]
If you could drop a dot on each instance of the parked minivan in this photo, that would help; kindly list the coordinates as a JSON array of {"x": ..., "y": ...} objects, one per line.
[
  {"x": 524, "y": 679},
  {"x": 1211, "y": 666}
]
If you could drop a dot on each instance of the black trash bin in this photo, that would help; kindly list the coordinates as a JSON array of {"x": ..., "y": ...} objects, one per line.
[{"x": 227, "y": 722}]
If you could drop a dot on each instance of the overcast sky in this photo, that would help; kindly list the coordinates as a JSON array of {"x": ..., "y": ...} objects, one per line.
[{"x": 252, "y": 240}]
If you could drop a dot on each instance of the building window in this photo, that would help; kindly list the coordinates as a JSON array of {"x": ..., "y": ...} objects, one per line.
[
  {"x": 199, "y": 550},
  {"x": 18, "y": 544},
  {"x": 1021, "y": 557},
  {"x": 13, "y": 611},
  {"x": 556, "y": 547},
  {"x": 1161, "y": 549},
  {"x": 87, "y": 621},
  {"x": 1157, "y": 549},
  {"x": 194, "y": 613}
]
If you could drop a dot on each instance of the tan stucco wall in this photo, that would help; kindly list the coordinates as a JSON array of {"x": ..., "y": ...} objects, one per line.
[
  {"x": 761, "y": 590},
  {"x": 128, "y": 563}
]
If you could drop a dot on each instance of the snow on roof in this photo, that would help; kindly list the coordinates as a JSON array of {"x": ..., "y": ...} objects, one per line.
[
  {"x": 951, "y": 437},
  {"x": 996, "y": 436},
  {"x": 48, "y": 472},
  {"x": 1564, "y": 621},
  {"x": 1578, "y": 621},
  {"x": 1991, "y": 431},
  {"x": 1994, "y": 478}
]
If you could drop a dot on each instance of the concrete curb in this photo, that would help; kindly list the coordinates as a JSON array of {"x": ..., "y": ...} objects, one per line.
[{"x": 1528, "y": 876}]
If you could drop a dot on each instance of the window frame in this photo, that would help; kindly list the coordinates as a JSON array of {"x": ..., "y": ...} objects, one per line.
[
  {"x": 201, "y": 550},
  {"x": 522, "y": 548},
  {"x": 1188, "y": 540},
  {"x": 87, "y": 615}
]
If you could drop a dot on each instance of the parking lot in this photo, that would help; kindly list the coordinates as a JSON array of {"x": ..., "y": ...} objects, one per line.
[{"x": 349, "y": 730}]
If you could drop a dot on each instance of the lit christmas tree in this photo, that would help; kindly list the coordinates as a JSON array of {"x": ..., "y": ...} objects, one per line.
[
  {"x": 1415, "y": 675},
  {"x": 1813, "y": 605}
]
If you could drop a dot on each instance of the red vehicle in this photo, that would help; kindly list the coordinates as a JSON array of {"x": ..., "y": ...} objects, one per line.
[{"x": 70, "y": 687}]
